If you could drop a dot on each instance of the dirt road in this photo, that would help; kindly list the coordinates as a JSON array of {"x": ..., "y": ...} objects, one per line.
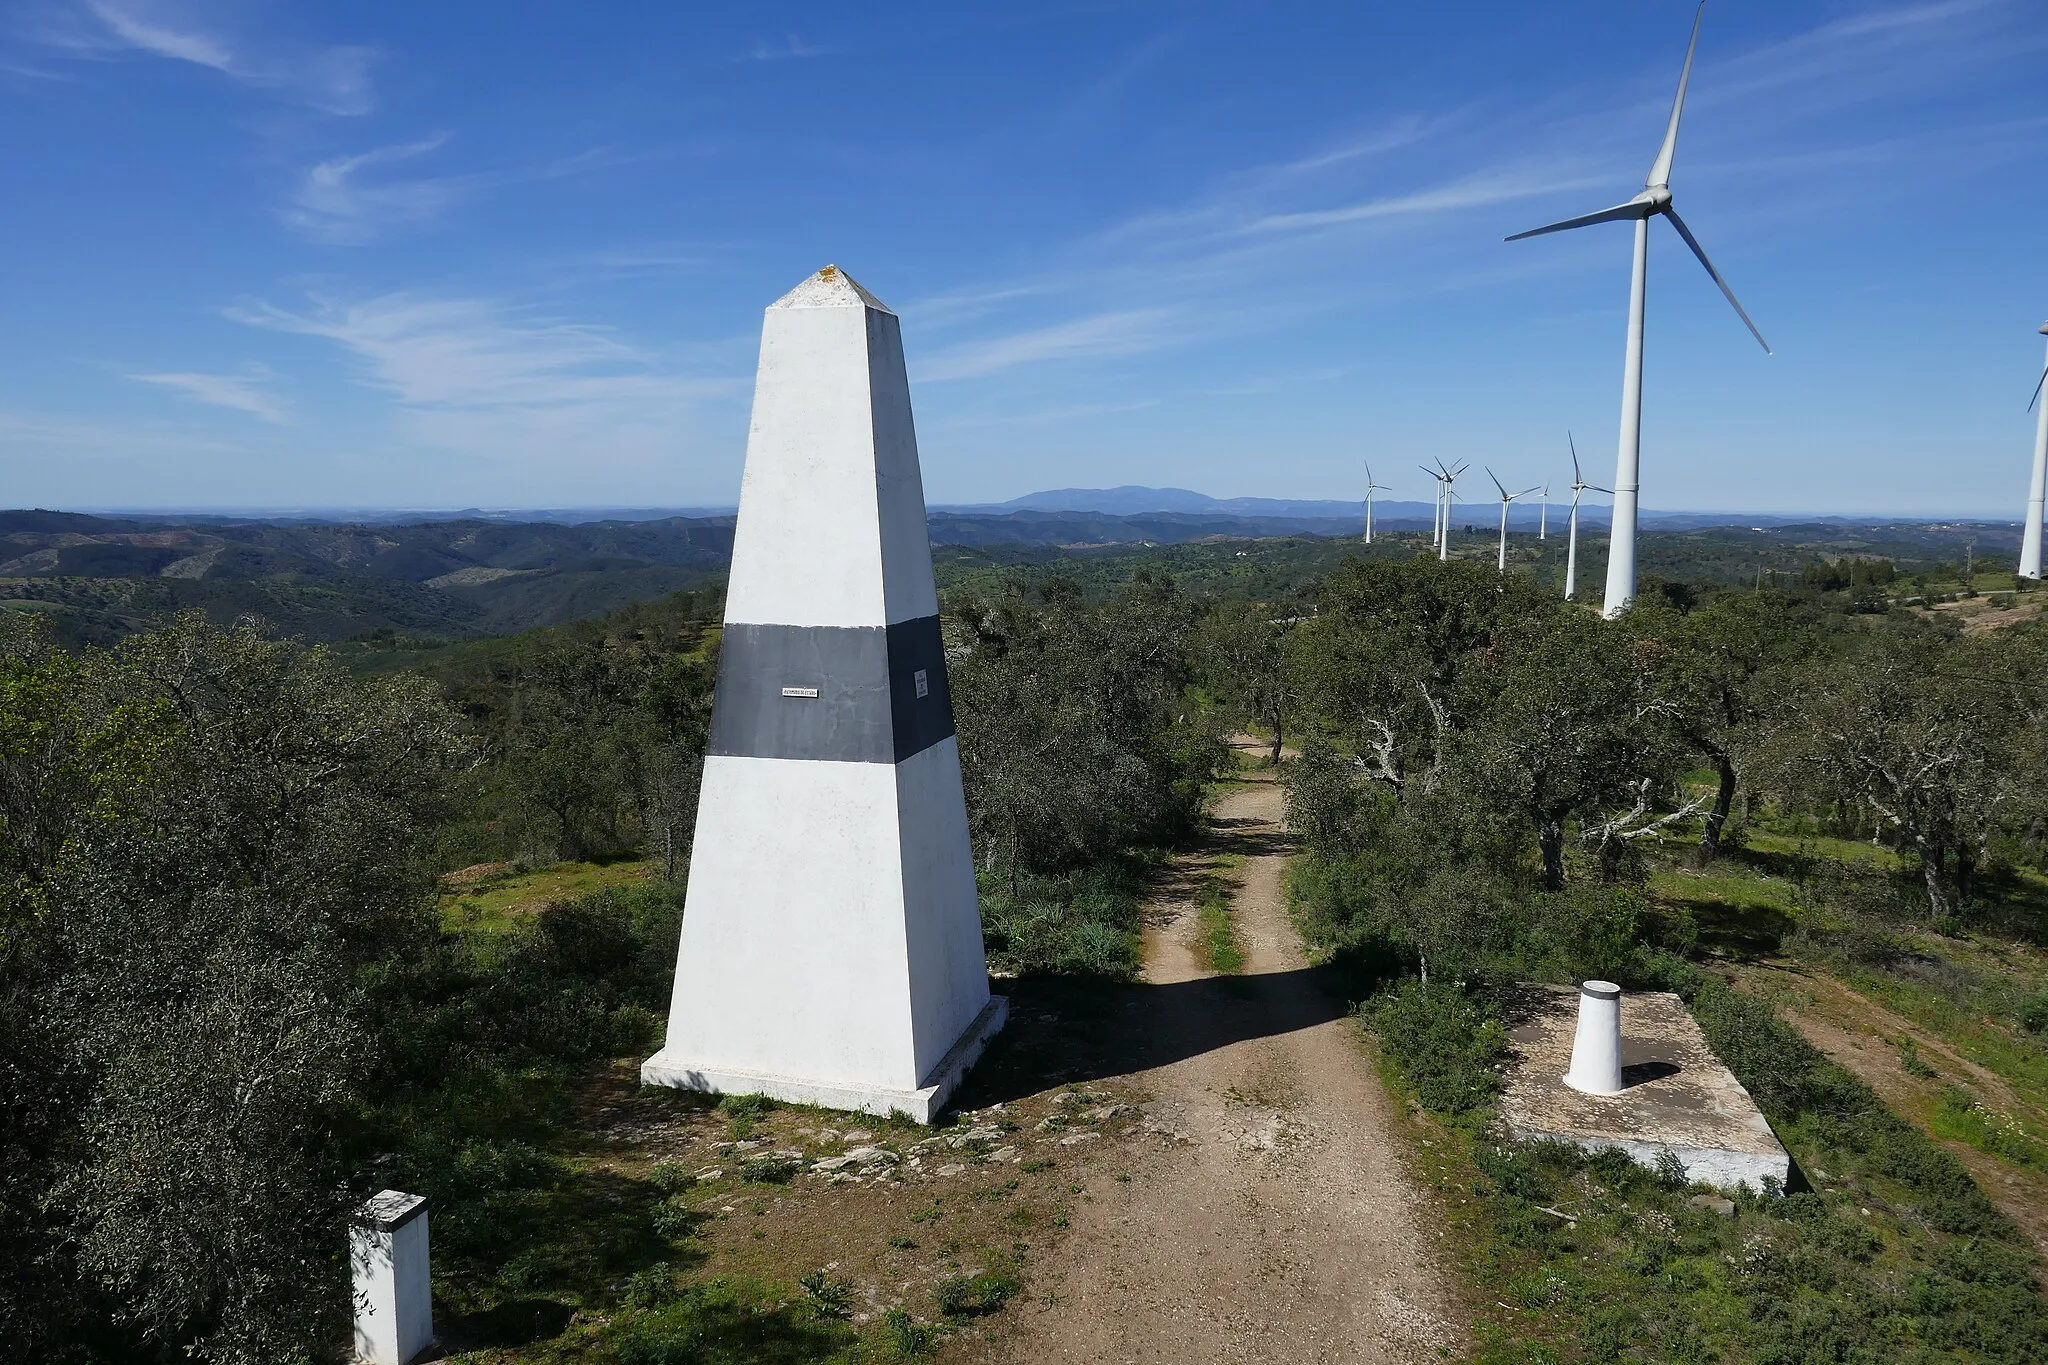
[{"x": 1279, "y": 1223}]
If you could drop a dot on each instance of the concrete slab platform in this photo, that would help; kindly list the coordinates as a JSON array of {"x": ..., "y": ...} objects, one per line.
[
  {"x": 1676, "y": 1095},
  {"x": 922, "y": 1104}
]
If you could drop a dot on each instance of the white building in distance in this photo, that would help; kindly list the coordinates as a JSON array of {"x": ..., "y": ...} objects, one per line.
[{"x": 831, "y": 948}]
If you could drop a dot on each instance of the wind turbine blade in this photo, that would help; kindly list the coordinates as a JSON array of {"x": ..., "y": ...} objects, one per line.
[
  {"x": 1619, "y": 213},
  {"x": 1694, "y": 243},
  {"x": 1527, "y": 491},
  {"x": 1577, "y": 477},
  {"x": 1497, "y": 484},
  {"x": 2037, "y": 390},
  {"x": 1660, "y": 173}
]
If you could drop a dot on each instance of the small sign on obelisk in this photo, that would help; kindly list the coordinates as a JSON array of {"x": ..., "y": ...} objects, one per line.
[{"x": 831, "y": 949}]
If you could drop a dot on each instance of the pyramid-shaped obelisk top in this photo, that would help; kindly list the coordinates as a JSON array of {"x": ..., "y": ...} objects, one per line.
[
  {"x": 831, "y": 527},
  {"x": 831, "y": 944},
  {"x": 830, "y": 288}
]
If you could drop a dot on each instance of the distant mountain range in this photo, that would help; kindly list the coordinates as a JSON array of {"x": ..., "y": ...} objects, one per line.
[
  {"x": 1279, "y": 516},
  {"x": 332, "y": 579},
  {"x": 1136, "y": 500}
]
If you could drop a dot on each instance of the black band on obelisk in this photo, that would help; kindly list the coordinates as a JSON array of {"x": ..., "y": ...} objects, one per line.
[{"x": 844, "y": 694}]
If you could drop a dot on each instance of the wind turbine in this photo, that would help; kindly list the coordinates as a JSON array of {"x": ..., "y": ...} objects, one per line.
[
  {"x": 1436, "y": 526},
  {"x": 1654, "y": 200},
  {"x": 1370, "y": 488},
  {"x": 1571, "y": 551},
  {"x": 1506, "y": 498},
  {"x": 1443, "y": 544},
  {"x": 2030, "y": 545},
  {"x": 1543, "y": 518}
]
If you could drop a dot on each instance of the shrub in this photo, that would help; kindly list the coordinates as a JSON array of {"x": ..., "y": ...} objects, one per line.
[
  {"x": 770, "y": 1169},
  {"x": 1443, "y": 1041},
  {"x": 829, "y": 1298},
  {"x": 972, "y": 1296},
  {"x": 651, "y": 1287},
  {"x": 910, "y": 1337},
  {"x": 1076, "y": 924}
]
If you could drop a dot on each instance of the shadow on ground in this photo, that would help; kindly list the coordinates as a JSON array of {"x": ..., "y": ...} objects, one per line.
[{"x": 1068, "y": 1030}]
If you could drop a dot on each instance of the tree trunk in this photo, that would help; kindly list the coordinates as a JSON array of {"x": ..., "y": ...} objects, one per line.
[
  {"x": 1612, "y": 850},
  {"x": 1550, "y": 834},
  {"x": 1273, "y": 760},
  {"x": 1717, "y": 818},
  {"x": 1937, "y": 894}
]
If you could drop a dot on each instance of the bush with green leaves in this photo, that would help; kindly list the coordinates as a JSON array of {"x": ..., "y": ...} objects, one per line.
[
  {"x": 1077, "y": 736},
  {"x": 1082, "y": 923},
  {"x": 216, "y": 845},
  {"x": 973, "y": 1296}
]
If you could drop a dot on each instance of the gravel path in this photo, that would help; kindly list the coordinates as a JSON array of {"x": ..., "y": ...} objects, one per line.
[{"x": 1280, "y": 1223}]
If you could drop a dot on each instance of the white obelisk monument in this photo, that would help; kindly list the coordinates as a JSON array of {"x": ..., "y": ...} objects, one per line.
[{"x": 831, "y": 948}]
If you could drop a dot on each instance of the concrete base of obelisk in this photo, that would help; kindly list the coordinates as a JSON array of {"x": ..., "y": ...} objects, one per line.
[{"x": 922, "y": 1104}]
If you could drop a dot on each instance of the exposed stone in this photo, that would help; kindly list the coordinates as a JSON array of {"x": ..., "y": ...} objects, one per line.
[
  {"x": 1003, "y": 1154},
  {"x": 1714, "y": 1204},
  {"x": 868, "y": 1156},
  {"x": 951, "y": 1168},
  {"x": 856, "y": 1135},
  {"x": 1073, "y": 1138}
]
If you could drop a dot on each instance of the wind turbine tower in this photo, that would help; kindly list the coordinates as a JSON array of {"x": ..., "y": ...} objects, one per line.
[
  {"x": 1543, "y": 517},
  {"x": 1571, "y": 548},
  {"x": 1436, "y": 530},
  {"x": 2030, "y": 546},
  {"x": 1506, "y": 498},
  {"x": 1655, "y": 200},
  {"x": 1443, "y": 544},
  {"x": 1370, "y": 489}
]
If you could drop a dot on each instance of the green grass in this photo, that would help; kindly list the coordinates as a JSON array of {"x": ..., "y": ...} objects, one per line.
[
  {"x": 494, "y": 900},
  {"x": 1220, "y": 950},
  {"x": 1794, "y": 843},
  {"x": 1077, "y": 924},
  {"x": 1994, "y": 1132}
]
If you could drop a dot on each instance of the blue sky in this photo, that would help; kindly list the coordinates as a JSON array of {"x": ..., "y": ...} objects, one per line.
[{"x": 457, "y": 254}]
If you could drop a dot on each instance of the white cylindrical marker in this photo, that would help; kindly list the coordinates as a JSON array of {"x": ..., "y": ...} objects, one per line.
[{"x": 1596, "y": 1049}]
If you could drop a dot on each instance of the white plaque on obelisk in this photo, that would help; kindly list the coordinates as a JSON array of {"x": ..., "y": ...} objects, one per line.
[{"x": 831, "y": 949}]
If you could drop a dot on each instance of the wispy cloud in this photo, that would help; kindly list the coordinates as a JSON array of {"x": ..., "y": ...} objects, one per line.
[
  {"x": 80, "y": 438},
  {"x": 1480, "y": 189},
  {"x": 498, "y": 381},
  {"x": 1417, "y": 202},
  {"x": 351, "y": 200},
  {"x": 786, "y": 48},
  {"x": 334, "y": 79},
  {"x": 1100, "y": 335},
  {"x": 242, "y": 392}
]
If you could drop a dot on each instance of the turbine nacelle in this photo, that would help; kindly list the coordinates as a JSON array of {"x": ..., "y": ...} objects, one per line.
[{"x": 1654, "y": 199}]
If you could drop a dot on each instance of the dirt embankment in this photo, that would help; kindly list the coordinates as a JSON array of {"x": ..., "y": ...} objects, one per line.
[{"x": 1862, "y": 1035}]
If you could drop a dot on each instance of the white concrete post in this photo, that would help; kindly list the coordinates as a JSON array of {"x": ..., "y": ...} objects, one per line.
[
  {"x": 394, "y": 1298},
  {"x": 1596, "y": 1048},
  {"x": 831, "y": 945}
]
